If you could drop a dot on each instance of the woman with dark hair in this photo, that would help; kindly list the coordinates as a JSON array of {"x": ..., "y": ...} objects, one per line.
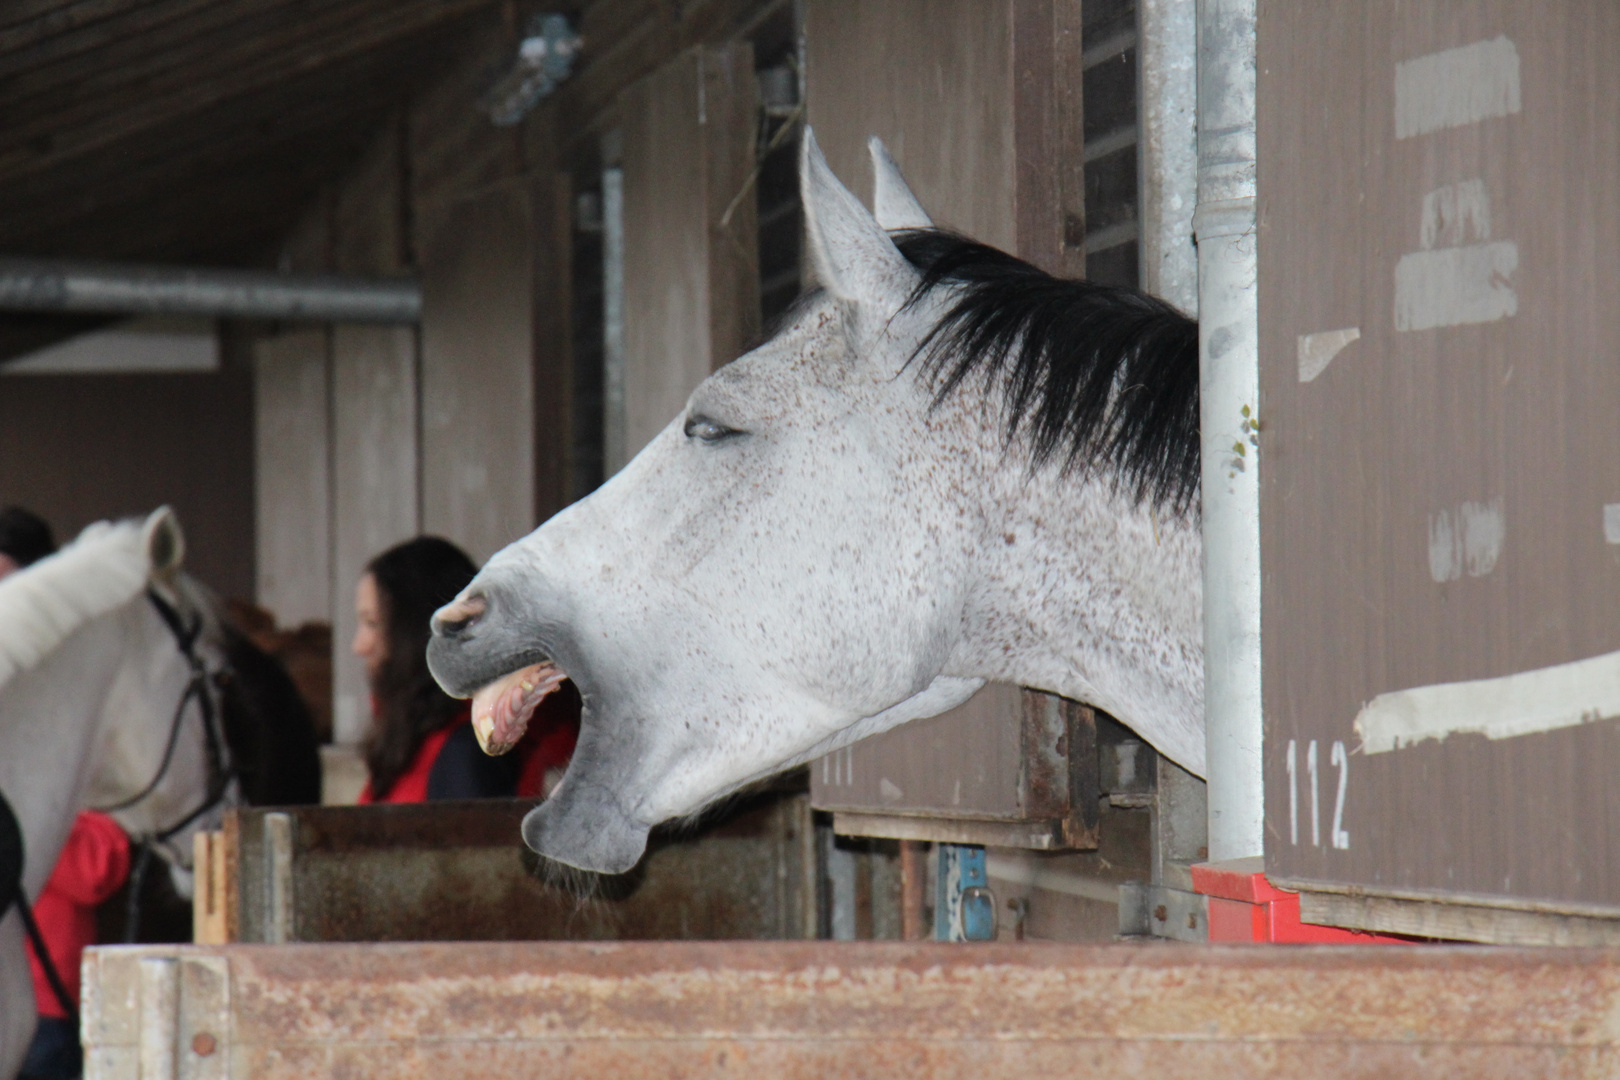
[
  {"x": 25, "y": 538},
  {"x": 422, "y": 744}
]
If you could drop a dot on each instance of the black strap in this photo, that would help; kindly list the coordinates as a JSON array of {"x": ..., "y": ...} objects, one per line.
[
  {"x": 43, "y": 955},
  {"x": 12, "y": 858}
]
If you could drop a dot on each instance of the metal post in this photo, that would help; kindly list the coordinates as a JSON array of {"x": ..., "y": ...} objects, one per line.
[
  {"x": 126, "y": 289},
  {"x": 278, "y": 879},
  {"x": 913, "y": 875},
  {"x": 613, "y": 438},
  {"x": 1167, "y": 40},
  {"x": 1229, "y": 383}
]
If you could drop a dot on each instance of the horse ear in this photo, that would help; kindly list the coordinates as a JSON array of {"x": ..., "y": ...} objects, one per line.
[
  {"x": 893, "y": 203},
  {"x": 854, "y": 258},
  {"x": 164, "y": 542}
]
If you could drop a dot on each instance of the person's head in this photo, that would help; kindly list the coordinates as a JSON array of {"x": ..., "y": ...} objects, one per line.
[
  {"x": 396, "y": 596},
  {"x": 25, "y": 538}
]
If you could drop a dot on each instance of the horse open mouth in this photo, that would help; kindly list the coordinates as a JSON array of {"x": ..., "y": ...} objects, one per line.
[{"x": 502, "y": 710}]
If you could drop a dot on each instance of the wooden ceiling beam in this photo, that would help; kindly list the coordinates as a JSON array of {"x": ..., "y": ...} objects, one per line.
[
  {"x": 376, "y": 80},
  {"x": 199, "y": 50},
  {"x": 68, "y": 27},
  {"x": 179, "y": 231},
  {"x": 96, "y": 125}
]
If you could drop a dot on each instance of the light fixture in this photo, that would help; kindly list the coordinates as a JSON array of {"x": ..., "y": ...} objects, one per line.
[{"x": 545, "y": 57}]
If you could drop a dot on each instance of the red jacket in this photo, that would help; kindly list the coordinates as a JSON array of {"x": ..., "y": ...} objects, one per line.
[
  {"x": 412, "y": 785},
  {"x": 93, "y": 865}
]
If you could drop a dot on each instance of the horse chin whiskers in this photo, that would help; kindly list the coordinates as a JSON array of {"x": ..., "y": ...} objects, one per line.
[{"x": 589, "y": 889}]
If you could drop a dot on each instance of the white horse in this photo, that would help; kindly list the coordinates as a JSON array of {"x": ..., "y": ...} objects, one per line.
[
  {"x": 947, "y": 468},
  {"x": 100, "y": 707}
]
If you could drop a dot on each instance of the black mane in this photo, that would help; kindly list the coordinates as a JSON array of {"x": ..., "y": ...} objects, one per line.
[{"x": 1098, "y": 375}]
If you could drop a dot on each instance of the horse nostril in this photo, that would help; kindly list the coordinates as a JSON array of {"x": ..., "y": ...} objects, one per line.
[{"x": 456, "y": 616}]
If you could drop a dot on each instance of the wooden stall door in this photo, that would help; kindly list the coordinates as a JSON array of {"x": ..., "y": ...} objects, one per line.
[{"x": 1440, "y": 463}]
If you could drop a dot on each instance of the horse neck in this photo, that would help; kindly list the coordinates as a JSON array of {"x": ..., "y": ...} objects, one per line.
[
  {"x": 52, "y": 721},
  {"x": 1084, "y": 593}
]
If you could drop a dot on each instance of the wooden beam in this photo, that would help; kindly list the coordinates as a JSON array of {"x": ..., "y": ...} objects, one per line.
[
  {"x": 72, "y": 28},
  {"x": 230, "y": 73},
  {"x": 309, "y": 109}
]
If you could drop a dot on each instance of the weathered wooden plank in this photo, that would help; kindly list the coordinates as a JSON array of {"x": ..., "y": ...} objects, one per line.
[
  {"x": 75, "y": 28},
  {"x": 185, "y": 83},
  {"x": 691, "y": 284},
  {"x": 1454, "y": 919},
  {"x": 554, "y": 370},
  {"x": 891, "y": 1010},
  {"x": 478, "y": 372}
]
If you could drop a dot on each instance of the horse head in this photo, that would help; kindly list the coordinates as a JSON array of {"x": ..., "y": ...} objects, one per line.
[
  {"x": 821, "y": 546},
  {"x": 106, "y": 668},
  {"x": 164, "y": 767}
]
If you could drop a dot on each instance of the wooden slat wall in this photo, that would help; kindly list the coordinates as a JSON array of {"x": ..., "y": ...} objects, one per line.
[
  {"x": 691, "y": 286},
  {"x": 292, "y": 466},
  {"x": 477, "y": 372}
]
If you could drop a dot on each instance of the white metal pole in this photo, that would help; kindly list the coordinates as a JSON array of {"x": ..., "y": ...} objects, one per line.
[
  {"x": 1228, "y": 348},
  {"x": 1166, "y": 50}
]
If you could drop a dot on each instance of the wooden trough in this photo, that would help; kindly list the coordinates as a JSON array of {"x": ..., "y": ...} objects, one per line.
[
  {"x": 871, "y": 1009},
  {"x": 457, "y": 871}
]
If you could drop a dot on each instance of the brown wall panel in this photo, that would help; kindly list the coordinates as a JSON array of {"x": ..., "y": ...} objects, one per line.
[
  {"x": 691, "y": 283},
  {"x": 1433, "y": 500},
  {"x": 77, "y": 448}
]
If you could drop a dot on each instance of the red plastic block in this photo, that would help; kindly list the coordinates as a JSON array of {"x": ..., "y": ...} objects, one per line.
[{"x": 1246, "y": 907}]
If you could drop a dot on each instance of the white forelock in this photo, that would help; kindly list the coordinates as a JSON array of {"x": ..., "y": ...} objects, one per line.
[{"x": 41, "y": 606}]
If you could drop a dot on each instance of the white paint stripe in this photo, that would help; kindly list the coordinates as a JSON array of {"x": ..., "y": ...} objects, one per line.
[
  {"x": 1458, "y": 86},
  {"x": 1454, "y": 286},
  {"x": 1545, "y": 699},
  {"x": 1611, "y": 523},
  {"x": 1316, "y": 351}
]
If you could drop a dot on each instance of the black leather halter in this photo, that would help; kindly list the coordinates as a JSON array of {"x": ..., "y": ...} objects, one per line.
[{"x": 219, "y": 767}]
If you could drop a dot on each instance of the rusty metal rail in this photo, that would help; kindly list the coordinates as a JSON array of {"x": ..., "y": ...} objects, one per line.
[{"x": 889, "y": 1010}]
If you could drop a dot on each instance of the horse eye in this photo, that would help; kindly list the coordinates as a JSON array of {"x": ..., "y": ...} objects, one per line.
[{"x": 699, "y": 426}]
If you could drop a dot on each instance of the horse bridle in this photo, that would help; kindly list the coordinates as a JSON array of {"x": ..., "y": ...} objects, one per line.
[{"x": 220, "y": 769}]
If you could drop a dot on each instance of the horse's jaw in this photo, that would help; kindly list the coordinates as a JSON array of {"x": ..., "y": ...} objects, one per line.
[{"x": 583, "y": 825}]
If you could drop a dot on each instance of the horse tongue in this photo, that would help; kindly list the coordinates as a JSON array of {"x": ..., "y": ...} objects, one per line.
[{"x": 502, "y": 710}]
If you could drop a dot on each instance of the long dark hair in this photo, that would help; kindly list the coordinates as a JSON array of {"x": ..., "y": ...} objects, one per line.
[
  {"x": 25, "y": 536},
  {"x": 413, "y": 579}
]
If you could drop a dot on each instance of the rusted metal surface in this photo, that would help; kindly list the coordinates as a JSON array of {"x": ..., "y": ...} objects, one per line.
[
  {"x": 892, "y": 1010},
  {"x": 459, "y": 872}
]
